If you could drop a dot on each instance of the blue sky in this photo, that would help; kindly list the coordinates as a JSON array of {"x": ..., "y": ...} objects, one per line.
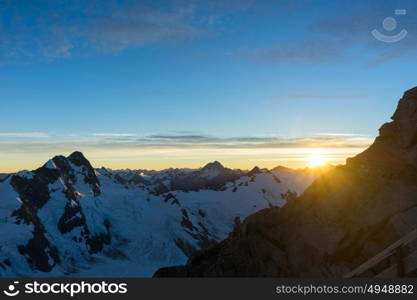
[{"x": 178, "y": 83}]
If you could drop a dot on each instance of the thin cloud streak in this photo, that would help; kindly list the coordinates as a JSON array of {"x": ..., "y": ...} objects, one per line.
[
  {"x": 163, "y": 151},
  {"x": 23, "y": 135},
  {"x": 334, "y": 134},
  {"x": 313, "y": 51},
  {"x": 190, "y": 142},
  {"x": 322, "y": 96},
  {"x": 114, "y": 134}
]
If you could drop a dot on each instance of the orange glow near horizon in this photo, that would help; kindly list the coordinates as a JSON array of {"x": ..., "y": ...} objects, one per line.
[
  {"x": 158, "y": 159},
  {"x": 232, "y": 153}
]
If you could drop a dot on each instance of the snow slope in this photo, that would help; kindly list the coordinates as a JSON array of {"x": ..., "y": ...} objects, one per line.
[
  {"x": 68, "y": 219},
  {"x": 3, "y": 176}
]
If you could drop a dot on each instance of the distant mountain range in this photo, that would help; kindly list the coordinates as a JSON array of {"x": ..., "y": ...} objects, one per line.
[
  {"x": 345, "y": 217},
  {"x": 68, "y": 219}
]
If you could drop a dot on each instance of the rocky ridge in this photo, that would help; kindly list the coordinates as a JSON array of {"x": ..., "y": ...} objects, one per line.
[{"x": 345, "y": 217}]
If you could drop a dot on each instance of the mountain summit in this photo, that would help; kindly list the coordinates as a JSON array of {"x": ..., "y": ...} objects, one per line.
[
  {"x": 62, "y": 217},
  {"x": 214, "y": 166},
  {"x": 345, "y": 217},
  {"x": 397, "y": 140}
]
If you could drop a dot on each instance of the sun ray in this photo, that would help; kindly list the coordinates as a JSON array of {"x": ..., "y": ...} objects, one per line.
[{"x": 316, "y": 160}]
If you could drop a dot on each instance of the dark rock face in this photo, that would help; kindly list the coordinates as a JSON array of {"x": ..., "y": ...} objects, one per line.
[
  {"x": 35, "y": 192},
  {"x": 132, "y": 178},
  {"x": 213, "y": 176},
  {"x": 78, "y": 159},
  {"x": 254, "y": 171},
  {"x": 344, "y": 218},
  {"x": 200, "y": 234}
]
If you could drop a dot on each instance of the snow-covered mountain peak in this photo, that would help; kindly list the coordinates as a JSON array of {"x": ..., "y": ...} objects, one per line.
[
  {"x": 56, "y": 219},
  {"x": 73, "y": 169}
]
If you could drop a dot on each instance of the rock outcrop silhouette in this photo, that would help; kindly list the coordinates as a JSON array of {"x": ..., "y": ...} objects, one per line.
[{"x": 345, "y": 217}]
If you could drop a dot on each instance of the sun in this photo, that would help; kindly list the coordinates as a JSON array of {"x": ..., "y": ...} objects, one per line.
[{"x": 316, "y": 160}]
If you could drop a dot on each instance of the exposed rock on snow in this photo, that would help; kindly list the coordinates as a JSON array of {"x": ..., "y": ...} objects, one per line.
[{"x": 68, "y": 219}]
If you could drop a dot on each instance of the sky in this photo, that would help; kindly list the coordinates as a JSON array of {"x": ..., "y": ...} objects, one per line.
[{"x": 158, "y": 84}]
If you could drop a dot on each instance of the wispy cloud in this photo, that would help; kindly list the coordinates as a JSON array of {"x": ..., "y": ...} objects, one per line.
[
  {"x": 189, "y": 137},
  {"x": 162, "y": 150},
  {"x": 57, "y": 29},
  {"x": 352, "y": 29},
  {"x": 114, "y": 134},
  {"x": 312, "y": 96},
  {"x": 138, "y": 24},
  {"x": 311, "y": 51},
  {"x": 60, "y": 29},
  {"x": 23, "y": 135},
  {"x": 112, "y": 141},
  {"x": 341, "y": 134},
  {"x": 342, "y": 29}
]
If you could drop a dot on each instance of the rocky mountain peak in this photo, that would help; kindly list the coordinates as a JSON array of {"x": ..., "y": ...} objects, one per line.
[
  {"x": 214, "y": 166},
  {"x": 282, "y": 169},
  {"x": 411, "y": 93},
  {"x": 345, "y": 217},
  {"x": 78, "y": 159},
  {"x": 56, "y": 190},
  {"x": 72, "y": 169},
  {"x": 254, "y": 171},
  {"x": 397, "y": 140},
  {"x": 403, "y": 129},
  {"x": 405, "y": 120}
]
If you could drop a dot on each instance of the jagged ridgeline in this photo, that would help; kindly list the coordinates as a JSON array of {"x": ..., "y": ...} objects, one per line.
[
  {"x": 344, "y": 218},
  {"x": 68, "y": 219}
]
